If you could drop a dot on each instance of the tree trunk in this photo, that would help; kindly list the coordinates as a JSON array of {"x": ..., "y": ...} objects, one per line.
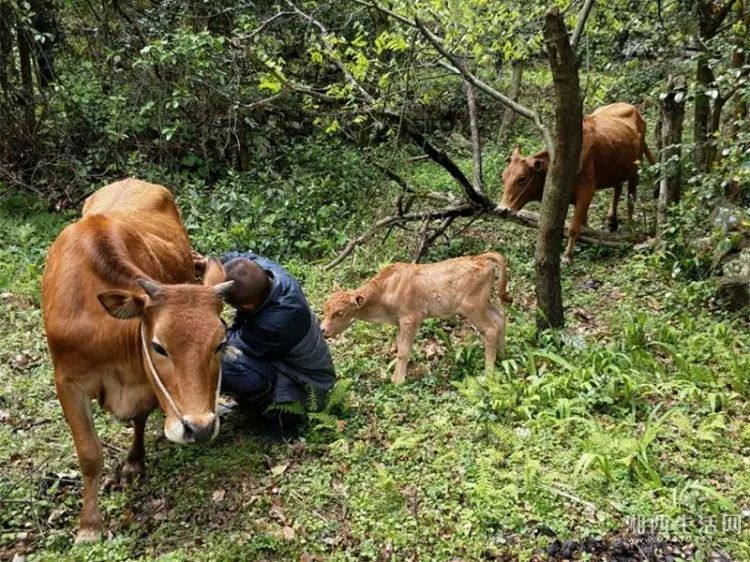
[
  {"x": 6, "y": 49},
  {"x": 27, "y": 77},
  {"x": 510, "y": 116},
  {"x": 704, "y": 77},
  {"x": 476, "y": 140},
  {"x": 564, "y": 164},
  {"x": 672, "y": 115},
  {"x": 45, "y": 23}
]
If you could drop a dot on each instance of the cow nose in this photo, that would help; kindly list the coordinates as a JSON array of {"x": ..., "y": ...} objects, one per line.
[
  {"x": 324, "y": 331},
  {"x": 198, "y": 428}
]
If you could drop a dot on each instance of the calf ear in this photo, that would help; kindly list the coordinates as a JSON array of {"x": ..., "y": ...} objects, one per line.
[
  {"x": 359, "y": 300},
  {"x": 215, "y": 273},
  {"x": 121, "y": 304},
  {"x": 539, "y": 164},
  {"x": 516, "y": 154}
]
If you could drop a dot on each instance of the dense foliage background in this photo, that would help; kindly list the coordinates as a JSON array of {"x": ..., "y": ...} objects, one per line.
[{"x": 283, "y": 128}]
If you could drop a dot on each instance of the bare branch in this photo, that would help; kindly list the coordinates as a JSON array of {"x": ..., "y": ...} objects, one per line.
[
  {"x": 524, "y": 218},
  {"x": 455, "y": 68},
  {"x": 440, "y": 157},
  {"x": 476, "y": 141},
  {"x": 332, "y": 55},
  {"x": 427, "y": 238},
  {"x": 581, "y": 25}
]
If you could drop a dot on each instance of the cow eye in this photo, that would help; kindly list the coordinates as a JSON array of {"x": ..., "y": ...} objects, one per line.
[
  {"x": 339, "y": 314},
  {"x": 158, "y": 348},
  {"x": 221, "y": 347}
]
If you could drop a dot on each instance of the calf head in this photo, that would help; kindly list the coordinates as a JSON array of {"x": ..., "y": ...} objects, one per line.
[
  {"x": 523, "y": 180},
  {"x": 181, "y": 338},
  {"x": 340, "y": 311}
]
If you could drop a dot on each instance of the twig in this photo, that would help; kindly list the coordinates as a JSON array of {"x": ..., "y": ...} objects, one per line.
[
  {"x": 569, "y": 496},
  {"x": 580, "y": 26}
]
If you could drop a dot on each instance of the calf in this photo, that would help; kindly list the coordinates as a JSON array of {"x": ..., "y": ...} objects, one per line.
[{"x": 406, "y": 293}]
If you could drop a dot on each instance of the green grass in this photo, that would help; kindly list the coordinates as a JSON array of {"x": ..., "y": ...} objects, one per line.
[{"x": 638, "y": 408}]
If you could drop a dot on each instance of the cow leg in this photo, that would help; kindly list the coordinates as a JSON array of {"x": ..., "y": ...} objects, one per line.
[
  {"x": 134, "y": 465},
  {"x": 632, "y": 189},
  {"x": 612, "y": 214},
  {"x": 484, "y": 322},
  {"x": 407, "y": 330},
  {"x": 76, "y": 406},
  {"x": 580, "y": 216}
]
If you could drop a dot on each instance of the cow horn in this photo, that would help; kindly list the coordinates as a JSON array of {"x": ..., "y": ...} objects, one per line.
[
  {"x": 153, "y": 290},
  {"x": 223, "y": 289}
]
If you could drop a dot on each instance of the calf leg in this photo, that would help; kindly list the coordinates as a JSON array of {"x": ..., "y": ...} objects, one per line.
[
  {"x": 612, "y": 214},
  {"x": 407, "y": 329},
  {"x": 134, "y": 466},
  {"x": 580, "y": 215},
  {"x": 76, "y": 406},
  {"x": 498, "y": 317},
  {"x": 483, "y": 321}
]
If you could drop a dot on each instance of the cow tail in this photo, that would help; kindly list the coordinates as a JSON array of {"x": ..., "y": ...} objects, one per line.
[
  {"x": 649, "y": 155},
  {"x": 502, "y": 275}
]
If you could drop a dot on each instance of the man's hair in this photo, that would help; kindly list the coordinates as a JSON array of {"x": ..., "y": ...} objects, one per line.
[{"x": 251, "y": 283}]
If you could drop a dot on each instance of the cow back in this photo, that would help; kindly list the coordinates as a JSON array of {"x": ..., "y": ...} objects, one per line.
[{"x": 129, "y": 230}]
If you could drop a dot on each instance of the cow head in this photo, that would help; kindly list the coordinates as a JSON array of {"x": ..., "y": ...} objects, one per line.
[
  {"x": 523, "y": 180},
  {"x": 181, "y": 338},
  {"x": 340, "y": 311}
]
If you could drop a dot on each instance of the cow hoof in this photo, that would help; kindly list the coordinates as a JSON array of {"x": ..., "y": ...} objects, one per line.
[
  {"x": 132, "y": 471},
  {"x": 613, "y": 225},
  {"x": 87, "y": 536},
  {"x": 398, "y": 378},
  {"x": 567, "y": 259}
]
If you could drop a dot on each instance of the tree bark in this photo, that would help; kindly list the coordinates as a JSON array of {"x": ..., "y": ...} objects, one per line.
[
  {"x": 476, "y": 140},
  {"x": 27, "y": 77},
  {"x": 672, "y": 115},
  {"x": 510, "y": 116},
  {"x": 702, "y": 112},
  {"x": 564, "y": 165}
]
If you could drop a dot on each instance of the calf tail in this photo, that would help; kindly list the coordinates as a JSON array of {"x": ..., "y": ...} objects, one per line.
[
  {"x": 502, "y": 275},
  {"x": 649, "y": 155}
]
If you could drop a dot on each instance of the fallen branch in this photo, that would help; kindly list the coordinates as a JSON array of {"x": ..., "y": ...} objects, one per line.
[{"x": 524, "y": 218}]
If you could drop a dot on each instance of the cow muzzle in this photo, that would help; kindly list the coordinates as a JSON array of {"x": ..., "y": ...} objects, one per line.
[{"x": 192, "y": 429}]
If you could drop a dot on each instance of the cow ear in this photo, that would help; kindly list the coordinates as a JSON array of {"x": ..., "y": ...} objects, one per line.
[
  {"x": 122, "y": 304},
  {"x": 539, "y": 165},
  {"x": 359, "y": 300},
  {"x": 215, "y": 273},
  {"x": 336, "y": 288},
  {"x": 223, "y": 290},
  {"x": 516, "y": 154}
]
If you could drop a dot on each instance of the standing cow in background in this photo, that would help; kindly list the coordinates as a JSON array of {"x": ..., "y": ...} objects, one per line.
[
  {"x": 125, "y": 325},
  {"x": 614, "y": 142}
]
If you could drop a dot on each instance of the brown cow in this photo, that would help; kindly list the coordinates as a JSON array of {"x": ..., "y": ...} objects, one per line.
[
  {"x": 614, "y": 142},
  {"x": 406, "y": 293},
  {"x": 125, "y": 326}
]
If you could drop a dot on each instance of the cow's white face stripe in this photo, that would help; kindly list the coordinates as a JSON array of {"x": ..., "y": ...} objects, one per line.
[{"x": 156, "y": 377}]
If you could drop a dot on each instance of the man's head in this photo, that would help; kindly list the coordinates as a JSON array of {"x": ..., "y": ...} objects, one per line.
[
  {"x": 251, "y": 284},
  {"x": 523, "y": 180},
  {"x": 340, "y": 311}
]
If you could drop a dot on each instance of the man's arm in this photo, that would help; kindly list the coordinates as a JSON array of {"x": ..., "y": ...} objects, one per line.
[{"x": 272, "y": 334}]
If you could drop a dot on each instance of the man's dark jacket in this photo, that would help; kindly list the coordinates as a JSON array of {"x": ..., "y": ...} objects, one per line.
[{"x": 281, "y": 339}]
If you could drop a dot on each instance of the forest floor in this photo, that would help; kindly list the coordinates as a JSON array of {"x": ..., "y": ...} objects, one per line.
[{"x": 623, "y": 438}]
